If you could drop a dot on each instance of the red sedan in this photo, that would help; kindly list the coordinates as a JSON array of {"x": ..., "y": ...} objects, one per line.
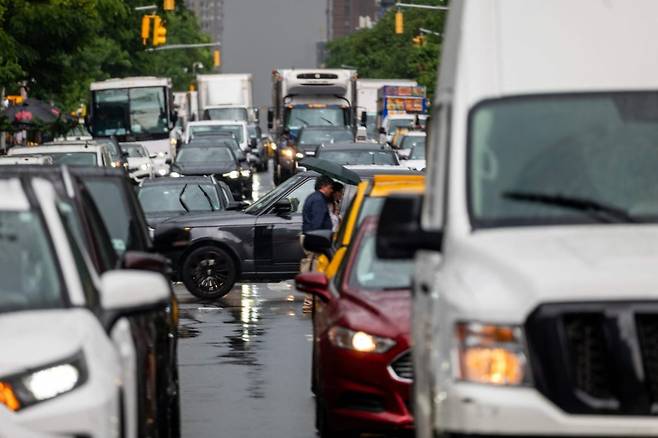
[{"x": 362, "y": 372}]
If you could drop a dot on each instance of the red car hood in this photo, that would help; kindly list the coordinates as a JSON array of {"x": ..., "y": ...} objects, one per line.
[{"x": 386, "y": 313}]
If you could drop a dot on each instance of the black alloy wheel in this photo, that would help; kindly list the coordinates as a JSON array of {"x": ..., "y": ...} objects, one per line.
[{"x": 209, "y": 272}]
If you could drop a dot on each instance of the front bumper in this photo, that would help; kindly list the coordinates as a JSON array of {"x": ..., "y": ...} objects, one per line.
[
  {"x": 361, "y": 393},
  {"x": 481, "y": 410}
]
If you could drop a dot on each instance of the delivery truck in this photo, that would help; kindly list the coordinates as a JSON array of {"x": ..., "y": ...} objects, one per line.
[{"x": 226, "y": 97}]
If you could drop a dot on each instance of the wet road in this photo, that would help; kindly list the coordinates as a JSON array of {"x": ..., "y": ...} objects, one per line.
[{"x": 245, "y": 361}]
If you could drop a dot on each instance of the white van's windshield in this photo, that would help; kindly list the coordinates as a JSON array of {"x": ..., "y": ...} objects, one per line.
[{"x": 564, "y": 159}]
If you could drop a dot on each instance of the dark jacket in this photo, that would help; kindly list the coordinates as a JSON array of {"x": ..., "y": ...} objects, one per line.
[{"x": 315, "y": 215}]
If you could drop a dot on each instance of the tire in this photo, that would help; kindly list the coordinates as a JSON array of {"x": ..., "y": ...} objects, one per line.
[{"x": 209, "y": 272}]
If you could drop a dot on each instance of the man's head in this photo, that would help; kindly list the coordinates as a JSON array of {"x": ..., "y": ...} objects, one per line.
[
  {"x": 338, "y": 189},
  {"x": 325, "y": 185}
]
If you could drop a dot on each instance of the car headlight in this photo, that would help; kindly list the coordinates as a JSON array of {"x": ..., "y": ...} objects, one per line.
[
  {"x": 492, "y": 354},
  {"x": 233, "y": 174},
  {"x": 288, "y": 153},
  {"x": 274, "y": 146},
  {"x": 173, "y": 141},
  {"x": 145, "y": 166},
  {"x": 43, "y": 384},
  {"x": 245, "y": 173},
  {"x": 175, "y": 174},
  {"x": 161, "y": 154},
  {"x": 359, "y": 341},
  {"x": 299, "y": 155},
  {"x": 162, "y": 172}
]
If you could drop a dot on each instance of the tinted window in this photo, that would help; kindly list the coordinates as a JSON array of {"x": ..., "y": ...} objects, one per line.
[
  {"x": 315, "y": 137},
  {"x": 134, "y": 150},
  {"x": 30, "y": 279},
  {"x": 412, "y": 141},
  {"x": 298, "y": 196},
  {"x": 109, "y": 198},
  {"x": 359, "y": 157},
  {"x": 236, "y": 130},
  {"x": 73, "y": 158},
  {"x": 227, "y": 114},
  {"x": 179, "y": 198},
  {"x": 204, "y": 155}
]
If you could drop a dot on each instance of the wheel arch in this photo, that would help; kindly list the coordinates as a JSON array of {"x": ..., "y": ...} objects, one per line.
[{"x": 217, "y": 244}]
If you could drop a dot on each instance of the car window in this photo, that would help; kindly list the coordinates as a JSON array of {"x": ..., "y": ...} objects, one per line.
[
  {"x": 359, "y": 157},
  {"x": 179, "y": 198},
  {"x": 72, "y": 158},
  {"x": 108, "y": 197},
  {"x": 298, "y": 196},
  {"x": 205, "y": 155},
  {"x": 412, "y": 141},
  {"x": 28, "y": 267},
  {"x": 372, "y": 273}
]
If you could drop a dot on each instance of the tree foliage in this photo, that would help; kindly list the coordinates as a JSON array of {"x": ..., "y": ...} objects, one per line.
[
  {"x": 60, "y": 46},
  {"x": 380, "y": 53}
]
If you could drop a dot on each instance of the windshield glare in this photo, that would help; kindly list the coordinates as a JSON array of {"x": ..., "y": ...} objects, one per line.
[
  {"x": 315, "y": 137},
  {"x": 27, "y": 264},
  {"x": 596, "y": 147},
  {"x": 179, "y": 198},
  {"x": 372, "y": 273},
  {"x": 355, "y": 158},
  {"x": 300, "y": 117},
  {"x": 227, "y": 114},
  {"x": 236, "y": 130},
  {"x": 204, "y": 155},
  {"x": 126, "y": 111}
]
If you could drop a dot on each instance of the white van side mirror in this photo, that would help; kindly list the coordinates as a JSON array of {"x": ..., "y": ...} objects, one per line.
[{"x": 126, "y": 292}]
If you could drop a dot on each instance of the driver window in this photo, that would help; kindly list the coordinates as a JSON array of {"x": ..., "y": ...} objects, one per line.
[{"x": 298, "y": 196}]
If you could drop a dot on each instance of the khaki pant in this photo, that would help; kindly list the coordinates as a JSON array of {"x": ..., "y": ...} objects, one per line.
[{"x": 308, "y": 262}]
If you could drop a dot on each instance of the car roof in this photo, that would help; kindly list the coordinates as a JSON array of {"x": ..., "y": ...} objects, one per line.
[
  {"x": 179, "y": 180},
  {"x": 53, "y": 149},
  {"x": 356, "y": 147},
  {"x": 384, "y": 185}
]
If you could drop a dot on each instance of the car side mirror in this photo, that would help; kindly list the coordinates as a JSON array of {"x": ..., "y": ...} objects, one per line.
[
  {"x": 318, "y": 241},
  {"x": 253, "y": 142},
  {"x": 283, "y": 207},
  {"x": 144, "y": 261},
  {"x": 126, "y": 293},
  {"x": 270, "y": 118},
  {"x": 237, "y": 205},
  {"x": 314, "y": 283},
  {"x": 364, "y": 118},
  {"x": 399, "y": 232}
]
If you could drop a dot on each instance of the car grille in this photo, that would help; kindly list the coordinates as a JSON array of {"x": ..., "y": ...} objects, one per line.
[
  {"x": 596, "y": 358},
  {"x": 402, "y": 367}
]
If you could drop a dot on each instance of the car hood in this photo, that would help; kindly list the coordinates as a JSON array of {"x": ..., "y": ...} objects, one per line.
[
  {"x": 36, "y": 338},
  {"x": 203, "y": 169},
  {"x": 212, "y": 219},
  {"x": 384, "y": 313},
  {"x": 507, "y": 273}
]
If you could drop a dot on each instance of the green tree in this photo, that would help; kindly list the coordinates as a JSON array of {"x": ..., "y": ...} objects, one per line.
[{"x": 380, "y": 53}]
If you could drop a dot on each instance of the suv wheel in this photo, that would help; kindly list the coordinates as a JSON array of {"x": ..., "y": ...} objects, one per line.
[{"x": 209, "y": 272}]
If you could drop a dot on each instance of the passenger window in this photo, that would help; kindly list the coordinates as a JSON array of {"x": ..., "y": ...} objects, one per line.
[{"x": 298, "y": 196}]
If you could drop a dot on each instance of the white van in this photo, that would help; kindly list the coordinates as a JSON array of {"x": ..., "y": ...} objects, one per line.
[{"x": 536, "y": 289}]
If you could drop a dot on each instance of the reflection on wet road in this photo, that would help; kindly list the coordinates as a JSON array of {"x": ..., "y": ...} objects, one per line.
[
  {"x": 245, "y": 361},
  {"x": 245, "y": 364}
]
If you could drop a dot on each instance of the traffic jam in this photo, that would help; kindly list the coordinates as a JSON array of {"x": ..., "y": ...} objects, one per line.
[{"x": 357, "y": 257}]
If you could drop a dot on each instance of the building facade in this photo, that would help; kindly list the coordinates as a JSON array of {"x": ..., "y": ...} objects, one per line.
[
  {"x": 346, "y": 16},
  {"x": 210, "y": 15}
]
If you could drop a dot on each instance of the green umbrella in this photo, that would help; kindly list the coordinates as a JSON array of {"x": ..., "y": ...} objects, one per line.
[{"x": 331, "y": 169}]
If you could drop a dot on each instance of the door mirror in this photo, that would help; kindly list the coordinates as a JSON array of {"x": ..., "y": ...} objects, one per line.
[
  {"x": 257, "y": 114},
  {"x": 399, "y": 233},
  {"x": 237, "y": 206},
  {"x": 253, "y": 142},
  {"x": 318, "y": 241},
  {"x": 314, "y": 283},
  {"x": 270, "y": 118},
  {"x": 283, "y": 206},
  {"x": 144, "y": 261},
  {"x": 125, "y": 293},
  {"x": 364, "y": 118}
]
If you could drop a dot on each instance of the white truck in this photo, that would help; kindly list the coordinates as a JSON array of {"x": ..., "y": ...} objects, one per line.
[
  {"x": 135, "y": 109},
  {"x": 535, "y": 305},
  {"x": 366, "y": 99},
  {"x": 226, "y": 97}
]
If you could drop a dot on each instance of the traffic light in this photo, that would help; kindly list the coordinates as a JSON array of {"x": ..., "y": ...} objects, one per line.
[
  {"x": 169, "y": 5},
  {"x": 159, "y": 32},
  {"x": 418, "y": 41},
  {"x": 146, "y": 28},
  {"x": 217, "y": 58},
  {"x": 399, "y": 23}
]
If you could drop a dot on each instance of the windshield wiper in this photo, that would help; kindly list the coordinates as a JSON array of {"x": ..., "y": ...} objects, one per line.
[
  {"x": 328, "y": 121},
  {"x": 302, "y": 120},
  {"x": 180, "y": 198},
  {"x": 212, "y": 208},
  {"x": 589, "y": 206}
]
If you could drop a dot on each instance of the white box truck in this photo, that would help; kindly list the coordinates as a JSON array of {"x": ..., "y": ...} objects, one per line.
[
  {"x": 226, "y": 97},
  {"x": 366, "y": 99}
]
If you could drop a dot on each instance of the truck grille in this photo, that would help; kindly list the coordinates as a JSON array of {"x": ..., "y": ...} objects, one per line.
[
  {"x": 402, "y": 367},
  {"x": 596, "y": 358},
  {"x": 317, "y": 76}
]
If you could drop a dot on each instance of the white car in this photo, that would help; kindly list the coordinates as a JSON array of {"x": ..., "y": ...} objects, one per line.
[
  {"x": 535, "y": 305},
  {"x": 140, "y": 164},
  {"x": 412, "y": 150},
  {"x": 87, "y": 154},
  {"x": 10, "y": 161},
  {"x": 65, "y": 340},
  {"x": 208, "y": 127}
]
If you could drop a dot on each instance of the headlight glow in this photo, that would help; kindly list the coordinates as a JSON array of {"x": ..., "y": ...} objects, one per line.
[
  {"x": 52, "y": 382},
  {"x": 233, "y": 174},
  {"x": 492, "y": 354},
  {"x": 172, "y": 141},
  {"x": 245, "y": 173},
  {"x": 274, "y": 147},
  {"x": 287, "y": 153},
  {"x": 359, "y": 341},
  {"x": 175, "y": 174},
  {"x": 162, "y": 172},
  {"x": 8, "y": 397},
  {"x": 161, "y": 154},
  {"x": 299, "y": 155}
]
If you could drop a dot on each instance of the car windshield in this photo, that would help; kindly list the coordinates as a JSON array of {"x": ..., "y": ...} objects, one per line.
[
  {"x": 394, "y": 124},
  {"x": 413, "y": 141},
  {"x": 126, "y": 111},
  {"x": 417, "y": 153},
  {"x": 359, "y": 157},
  {"x": 299, "y": 117},
  {"x": 372, "y": 273},
  {"x": 134, "y": 150},
  {"x": 227, "y": 114},
  {"x": 30, "y": 277},
  {"x": 564, "y": 159},
  {"x": 112, "y": 147},
  {"x": 316, "y": 137},
  {"x": 236, "y": 130},
  {"x": 179, "y": 198},
  {"x": 190, "y": 155},
  {"x": 268, "y": 197},
  {"x": 71, "y": 158}
]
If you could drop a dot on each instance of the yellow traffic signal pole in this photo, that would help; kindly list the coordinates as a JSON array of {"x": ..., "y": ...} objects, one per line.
[{"x": 399, "y": 17}]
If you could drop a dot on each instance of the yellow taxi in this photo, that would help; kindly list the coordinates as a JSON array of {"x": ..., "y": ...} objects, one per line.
[{"x": 368, "y": 200}]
